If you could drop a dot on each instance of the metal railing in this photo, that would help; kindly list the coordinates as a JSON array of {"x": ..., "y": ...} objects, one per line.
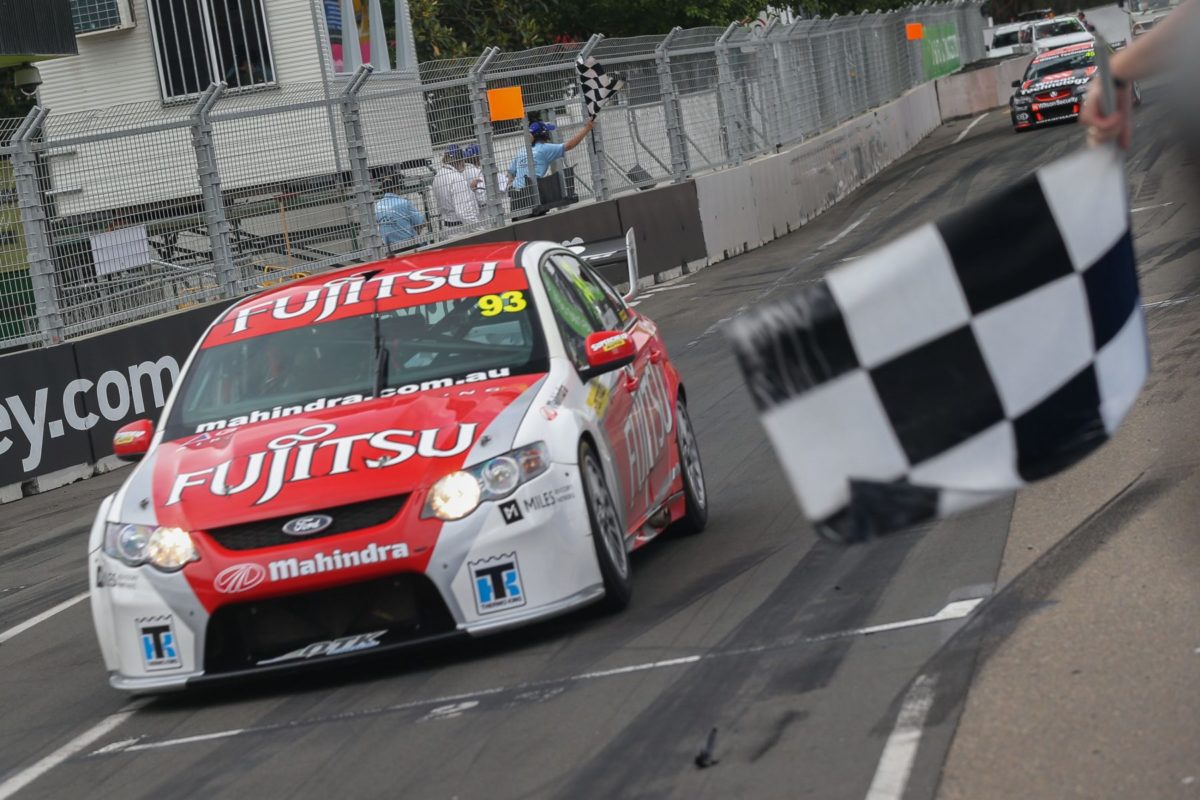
[{"x": 116, "y": 215}]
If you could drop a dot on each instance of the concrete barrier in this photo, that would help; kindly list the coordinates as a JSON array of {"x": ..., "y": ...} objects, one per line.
[
  {"x": 966, "y": 94},
  {"x": 746, "y": 206}
]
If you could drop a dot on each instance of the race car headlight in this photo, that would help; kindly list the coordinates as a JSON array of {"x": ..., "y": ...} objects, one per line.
[
  {"x": 166, "y": 549},
  {"x": 459, "y": 493}
]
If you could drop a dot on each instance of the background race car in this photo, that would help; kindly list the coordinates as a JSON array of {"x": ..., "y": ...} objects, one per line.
[
  {"x": 1053, "y": 87},
  {"x": 439, "y": 445}
]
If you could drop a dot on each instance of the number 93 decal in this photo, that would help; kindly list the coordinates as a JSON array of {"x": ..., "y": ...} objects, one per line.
[{"x": 492, "y": 304}]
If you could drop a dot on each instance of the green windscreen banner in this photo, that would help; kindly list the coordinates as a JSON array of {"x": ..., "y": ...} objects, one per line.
[{"x": 939, "y": 50}]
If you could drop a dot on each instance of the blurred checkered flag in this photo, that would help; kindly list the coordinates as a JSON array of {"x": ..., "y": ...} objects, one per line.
[
  {"x": 995, "y": 347},
  {"x": 598, "y": 86}
]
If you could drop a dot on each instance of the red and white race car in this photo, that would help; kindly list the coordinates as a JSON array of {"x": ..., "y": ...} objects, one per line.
[{"x": 442, "y": 444}]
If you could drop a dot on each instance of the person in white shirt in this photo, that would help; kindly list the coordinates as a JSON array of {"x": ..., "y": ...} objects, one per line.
[
  {"x": 473, "y": 173},
  {"x": 455, "y": 201}
]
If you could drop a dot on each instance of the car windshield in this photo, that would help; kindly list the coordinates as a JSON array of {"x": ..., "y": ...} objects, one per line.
[
  {"x": 1069, "y": 63},
  {"x": 431, "y": 346},
  {"x": 1006, "y": 38},
  {"x": 1059, "y": 27}
]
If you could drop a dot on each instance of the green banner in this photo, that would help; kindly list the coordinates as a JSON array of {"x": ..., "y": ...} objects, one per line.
[{"x": 939, "y": 50}]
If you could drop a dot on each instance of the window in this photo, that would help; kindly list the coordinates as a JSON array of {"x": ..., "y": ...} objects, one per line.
[
  {"x": 428, "y": 347},
  {"x": 602, "y": 302},
  {"x": 199, "y": 42},
  {"x": 574, "y": 322}
]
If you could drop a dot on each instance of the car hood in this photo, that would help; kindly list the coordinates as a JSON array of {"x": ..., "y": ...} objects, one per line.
[
  {"x": 318, "y": 460},
  {"x": 1057, "y": 79}
]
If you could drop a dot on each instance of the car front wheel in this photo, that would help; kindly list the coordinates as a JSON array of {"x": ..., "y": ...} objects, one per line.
[
  {"x": 608, "y": 534},
  {"x": 695, "y": 492}
]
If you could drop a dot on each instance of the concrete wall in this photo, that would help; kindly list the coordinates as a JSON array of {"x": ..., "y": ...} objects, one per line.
[
  {"x": 744, "y": 207},
  {"x": 965, "y": 94}
]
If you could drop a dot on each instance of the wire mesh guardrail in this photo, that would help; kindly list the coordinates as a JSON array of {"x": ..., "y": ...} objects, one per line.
[{"x": 112, "y": 216}]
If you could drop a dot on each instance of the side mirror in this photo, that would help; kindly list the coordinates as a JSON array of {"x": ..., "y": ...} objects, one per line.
[
  {"x": 632, "y": 259},
  {"x": 1016, "y": 84},
  {"x": 133, "y": 440},
  {"x": 607, "y": 351}
]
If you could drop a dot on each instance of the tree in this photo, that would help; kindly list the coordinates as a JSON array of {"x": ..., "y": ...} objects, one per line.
[{"x": 463, "y": 28}]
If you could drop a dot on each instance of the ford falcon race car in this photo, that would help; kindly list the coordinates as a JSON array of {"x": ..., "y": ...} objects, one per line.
[
  {"x": 1054, "y": 85},
  {"x": 436, "y": 445}
]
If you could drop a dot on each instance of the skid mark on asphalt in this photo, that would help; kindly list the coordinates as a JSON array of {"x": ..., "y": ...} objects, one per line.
[{"x": 451, "y": 706}]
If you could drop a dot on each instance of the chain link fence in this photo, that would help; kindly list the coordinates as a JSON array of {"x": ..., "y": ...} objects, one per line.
[{"x": 112, "y": 216}]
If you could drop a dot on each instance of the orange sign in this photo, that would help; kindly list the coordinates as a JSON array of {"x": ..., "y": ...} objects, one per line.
[
  {"x": 505, "y": 103},
  {"x": 914, "y": 31}
]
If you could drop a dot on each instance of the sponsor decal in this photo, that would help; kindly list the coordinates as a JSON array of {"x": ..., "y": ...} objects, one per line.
[
  {"x": 286, "y": 569},
  {"x": 1055, "y": 103},
  {"x": 322, "y": 301},
  {"x": 128, "y": 437},
  {"x": 112, "y": 579},
  {"x": 322, "y": 403},
  {"x": 497, "y": 583},
  {"x": 550, "y": 410},
  {"x": 598, "y": 397},
  {"x": 334, "y": 647},
  {"x": 157, "y": 638},
  {"x": 610, "y": 344},
  {"x": 239, "y": 578},
  {"x": 549, "y": 499},
  {"x": 511, "y": 511},
  {"x": 247, "y": 575},
  {"x": 307, "y": 526},
  {"x": 648, "y": 428},
  {"x": 314, "y": 452}
]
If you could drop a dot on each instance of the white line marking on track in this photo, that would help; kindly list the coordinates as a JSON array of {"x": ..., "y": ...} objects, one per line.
[
  {"x": 1148, "y": 208},
  {"x": 900, "y": 750},
  {"x": 30, "y": 774},
  {"x": 967, "y": 129},
  {"x": 848, "y": 229},
  {"x": 951, "y": 611},
  {"x": 667, "y": 287},
  {"x": 17, "y": 630},
  {"x": 956, "y": 610},
  {"x": 1172, "y": 302}
]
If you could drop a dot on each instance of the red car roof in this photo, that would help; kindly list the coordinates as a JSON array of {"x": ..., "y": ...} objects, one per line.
[{"x": 395, "y": 282}]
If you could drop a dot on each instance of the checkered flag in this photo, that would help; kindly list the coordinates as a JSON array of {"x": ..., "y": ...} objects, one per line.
[
  {"x": 598, "y": 86},
  {"x": 976, "y": 354}
]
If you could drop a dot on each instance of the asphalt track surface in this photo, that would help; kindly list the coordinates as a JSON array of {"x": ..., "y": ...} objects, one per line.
[{"x": 754, "y": 628}]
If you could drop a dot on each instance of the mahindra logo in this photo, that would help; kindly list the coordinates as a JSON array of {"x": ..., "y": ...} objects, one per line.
[
  {"x": 239, "y": 578},
  {"x": 307, "y": 526}
]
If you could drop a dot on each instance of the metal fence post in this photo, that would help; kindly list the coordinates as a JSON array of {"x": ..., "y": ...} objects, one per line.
[
  {"x": 731, "y": 124},
  {"x": 362, "y": 202},
  {"x": 493, "y": 211},
  {"x": 596, "y": 147},
  {"x": 210, "y": 191},
  {"x": 670, "y": 99},
  {"x": 36, "y": 227},
  {"x": 771, "y": 82}
]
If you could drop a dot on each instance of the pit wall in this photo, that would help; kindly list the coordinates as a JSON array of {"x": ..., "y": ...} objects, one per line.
[{"x": 59, "y": 406}]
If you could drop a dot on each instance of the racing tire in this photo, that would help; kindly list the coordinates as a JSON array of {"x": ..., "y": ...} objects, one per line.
[
  {"x": 695, "y": 492},
  {"x": 608, "y": 534}
]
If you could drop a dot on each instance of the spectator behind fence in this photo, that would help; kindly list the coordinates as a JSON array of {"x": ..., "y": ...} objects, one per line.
[
  {"x": 456, "y": 202},
  {"x": 399, "y": 220},
  {"x": 545, "y": 152},
  {"x": 473, "y": 173}
]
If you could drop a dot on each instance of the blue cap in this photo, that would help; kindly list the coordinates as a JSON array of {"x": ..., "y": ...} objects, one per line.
[
  {"x": 454, "y": 152},
  {"x": 541, "y": 127},
  {"x": 471, "y": 151}
]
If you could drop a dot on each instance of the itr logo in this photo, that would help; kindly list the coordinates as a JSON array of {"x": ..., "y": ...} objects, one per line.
[
  {"x": 159, "y": 650},
  {"x": 497, "y": 583}
]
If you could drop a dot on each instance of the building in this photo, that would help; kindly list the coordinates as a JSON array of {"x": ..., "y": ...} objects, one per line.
[
  {"x": 123, "y": 105},
  {"x": 35, "y": 30}
]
